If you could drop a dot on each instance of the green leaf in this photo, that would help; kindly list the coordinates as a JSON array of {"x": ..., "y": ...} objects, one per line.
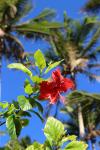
[
  {"x": 39, "y": 106},
  {"x": 11, "y": 127},
  {"x": 4, "y": 113},
  {"x": 53, "y": 65},
  {"x": 52, "y": 25},
  {"x": 47, "y": 145},
  {"x": 68, "y": 138},
  {"x": 21, "y": 67},
  {"x": 35, "y": 103},
  {"x": 24, "y": 103},
  {"x": 76, "y": 145},
  {"x": 16, "y": 105},
  {"x": 54, "y": 130},
  {"x": 11, "y": 109},
  {"x": 28, "y": 89},
  {"x": 24, "y": 122},
  {"x": 33, "y": 27},
  {"x": 26, "y": 82},
  {"x": 45, "y": 13},
  {"x": 18, "y": 126},
  {"x": 35, "y": 146},
  {"x": 38, "y": 115},
  {"x": 39, "y": 60},
  {"x": 13, "y": 145},
  {"x": 37, "y": 79},
  {"x": 4, "y": 105},
  {"x": 22, "y": 113},
  {"x": 91, "y": 20}
]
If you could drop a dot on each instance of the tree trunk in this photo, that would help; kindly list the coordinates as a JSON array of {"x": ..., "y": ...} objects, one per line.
[
  {"x": 81, "y": 122},
  {"x": 2, "y": 33},
  {"x": 72, "y": 54}
]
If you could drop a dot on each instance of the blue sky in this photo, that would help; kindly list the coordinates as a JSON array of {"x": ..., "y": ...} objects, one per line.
[{"x": 12, "y": 82}]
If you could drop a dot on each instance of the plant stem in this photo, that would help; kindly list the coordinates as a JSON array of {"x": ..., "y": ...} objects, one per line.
[{"x": 2, "y": 123}]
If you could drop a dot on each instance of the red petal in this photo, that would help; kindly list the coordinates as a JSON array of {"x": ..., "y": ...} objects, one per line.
[
  {"x": 56, "y": 75},
  {"x": 54, "y": 97},
  {"x": 44, "y": 90},
  {"x": 51, "y": 89},
  {"x": 66, "y": 84},
  {"x": 70, "y": 84}
]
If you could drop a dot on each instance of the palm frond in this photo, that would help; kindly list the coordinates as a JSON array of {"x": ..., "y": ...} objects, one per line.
[
  {"x": 15, "y": 39},
  {"x": 94, "y": 53},
  {"x": 4, "y": 5},
  {"x": 79, "y": 30},
  {"x": 93, "y": 65},
  {"x": 92, "y": 6},
  {"x": 31, "y": 28},
  {"x": 34, "y": 28},
  {"x": 93, "y": 41},
  {"x": 23, "y": 8},
  {"x": 92, "y": 77},
  {"x": 72, "y": 128},
  {"x": 13, "y": 11},
  {"x": 12, "y": 48},
  {"x": 90, "y": 104},
  {"x": 44, "y": 15},
  {"x": 81, "y": 96}
]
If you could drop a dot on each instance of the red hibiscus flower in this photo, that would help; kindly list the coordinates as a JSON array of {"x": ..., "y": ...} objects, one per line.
[{"x": 51, "y": 89}]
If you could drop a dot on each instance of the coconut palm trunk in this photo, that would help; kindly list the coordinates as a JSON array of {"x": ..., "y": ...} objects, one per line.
[
  {"x": 78, "y": 55},
  {"x": 80, "y": 119},
  {"x": 81, "y": 122},
  {"x": 72, "y": 50}
]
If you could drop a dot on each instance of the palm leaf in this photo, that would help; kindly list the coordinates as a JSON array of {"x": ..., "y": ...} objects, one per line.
[
  {"x": 84, "y": 28},
  {"x": 44, "y": 15},
  {"x": 93, "y": 41},
  {"x": 15, "y": 39},
  {"x": 31, "y": 28},
  {"x": 12, "y": 11},
  {"x": 90, "y": 75},
  {"x": 93, "y": 65},
  {"x": 81, "y": 96},
  {"x": 90, "y": 103},
  {"x": 92, "y": 6},
  {"x": 12, "y": 47},
  {"x": 43, "y": 27},
  {"x": 94, "y": 54},
  {"x": 23, "y": 8}
]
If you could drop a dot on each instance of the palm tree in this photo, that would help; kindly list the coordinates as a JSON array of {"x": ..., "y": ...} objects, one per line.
[
  {"x": 92, "y": 6},
  {"x": 77, "y": 45},
  {"x": 90, "y": 109},
  {"x": 11, "y": 12}
]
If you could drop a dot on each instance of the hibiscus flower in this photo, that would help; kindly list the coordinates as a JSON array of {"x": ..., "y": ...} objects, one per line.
[{"x": 52, "y": 89}]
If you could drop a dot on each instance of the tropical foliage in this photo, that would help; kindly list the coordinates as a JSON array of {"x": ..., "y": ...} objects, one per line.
[
  {"x": 90, "y": 104},
  {"x": 92, "y": 6},
  {"x": 11, "y": 26},
  {"x": 56, "y": 138},
  {"x": 74, "y": 47},
  {"x": 80, "y": 54},
  {"x": 14, "y": 114}
]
